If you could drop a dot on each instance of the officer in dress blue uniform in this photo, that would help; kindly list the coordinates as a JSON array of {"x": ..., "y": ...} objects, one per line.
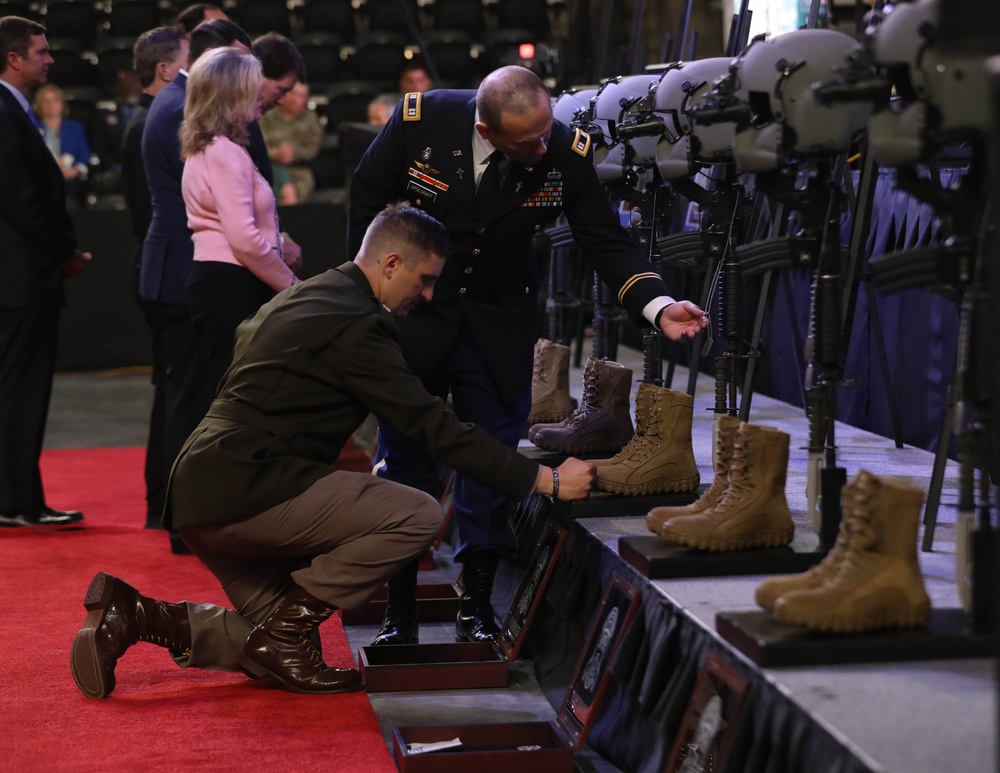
[{"x": 476, "y": 338}]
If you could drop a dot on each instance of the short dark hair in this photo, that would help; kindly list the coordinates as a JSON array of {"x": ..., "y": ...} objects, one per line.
[
  {"x": 402, "y": 225},
  {"x": 279, "y": 56},
  {"x": 193, "y": 15},
  {"x": 215, "y": 34},
  {"x": 15, "y": 37},
  {"x": 160, "y": 44}
]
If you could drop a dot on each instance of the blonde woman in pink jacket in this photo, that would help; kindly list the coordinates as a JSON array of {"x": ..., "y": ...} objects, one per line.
[{"x": 239, "y": 263}]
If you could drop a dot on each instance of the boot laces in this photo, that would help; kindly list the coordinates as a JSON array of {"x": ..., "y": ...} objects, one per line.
[
  {"x": 591, "y": 384},
  {"x": 538, "y": 371},
  {"x": 738, "y": 478}
]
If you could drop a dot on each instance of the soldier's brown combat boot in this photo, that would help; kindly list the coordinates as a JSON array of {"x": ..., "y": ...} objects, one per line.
[
  {"x": 752, "y": 511},
  {"x": 772, "y": 588},
  {"x": 878, "y": 582},
  {"x": 601, "y": 424},
  {"x": 725, "y": 433},
  {"x": 550, "y": 400},
  {"x": 659, "y": 457}
]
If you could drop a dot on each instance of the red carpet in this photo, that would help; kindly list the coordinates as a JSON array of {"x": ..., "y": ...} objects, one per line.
[{"x": 160, "y": 717}]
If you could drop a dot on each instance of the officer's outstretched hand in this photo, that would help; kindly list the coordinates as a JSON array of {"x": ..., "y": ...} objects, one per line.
[
  {"x": 576, "y": 477},
  {"x": 682, "y": 319}
]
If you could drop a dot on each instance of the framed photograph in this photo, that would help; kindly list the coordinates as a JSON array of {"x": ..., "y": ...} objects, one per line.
[
  {"x": 618, "y": 606},
  {"x": 711, "y": 720},
  {"x": 532, "y": 589}
]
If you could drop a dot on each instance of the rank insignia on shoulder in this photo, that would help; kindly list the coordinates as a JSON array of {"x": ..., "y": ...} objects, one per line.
[
  {"x": 581, "y": 143},
  {"x": 411, "y": 106}
]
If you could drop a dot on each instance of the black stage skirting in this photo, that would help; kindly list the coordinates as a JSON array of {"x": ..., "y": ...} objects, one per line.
[{"x": 656, "y": 666}]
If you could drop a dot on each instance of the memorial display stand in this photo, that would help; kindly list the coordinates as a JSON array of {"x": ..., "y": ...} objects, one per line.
[
  {"x": 547, "y": 746},
  {"x": 466, "y": 665},
  {"x": 659, "y": 559},
  {"x": 947, "y": 635}
]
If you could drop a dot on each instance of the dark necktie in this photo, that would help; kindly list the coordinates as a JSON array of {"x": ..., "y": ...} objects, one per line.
[
  {"x": 489, "y": 184},
  {"x": 34, "y": 120}
]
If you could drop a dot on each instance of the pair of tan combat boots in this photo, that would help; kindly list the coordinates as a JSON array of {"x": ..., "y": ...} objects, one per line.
[
  {"x": 652, "y": 457},
  {"x": 871, "y": 578}
]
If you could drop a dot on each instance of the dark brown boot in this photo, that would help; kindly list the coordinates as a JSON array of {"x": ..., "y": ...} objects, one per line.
[
  {"x": 399, "y": 625},
  {"x": 476, "y": 621},
  {"x": 601, "y": 424},
  {"x": 280, "y": 646},
  {"x": 118, "y": 617}
]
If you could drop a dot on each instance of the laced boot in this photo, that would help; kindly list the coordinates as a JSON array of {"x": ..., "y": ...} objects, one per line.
[
  {"x": 399, "y": 625},
  {"x": 550, "y": 399},
  {"x": 118, "y": 617},
  {"x": 725, "y": 433},
  {"x": 601, "y": 423},
  {"x": 281, "y": 647},
  {"x": 659, "y": 457},
  {"x": 476, "y": 621},
  {"x": 772, "y": 588},
  {"x": 878, "y": 582},
  {"x": 752, "y": 511}
]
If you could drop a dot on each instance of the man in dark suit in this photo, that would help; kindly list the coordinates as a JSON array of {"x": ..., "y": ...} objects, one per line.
[
  {"x": 254, "y": 492},
  {"x": 37, "y": 249},
  {"x": 168, "y": 252},
  {"x": 157, "y": 57},
  {"x": 476, "y": 339}
]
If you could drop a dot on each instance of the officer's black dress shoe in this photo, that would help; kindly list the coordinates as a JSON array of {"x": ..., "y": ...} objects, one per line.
[
  {"x": 46, "y": 516},
  {"x": 10, "y": 520}
]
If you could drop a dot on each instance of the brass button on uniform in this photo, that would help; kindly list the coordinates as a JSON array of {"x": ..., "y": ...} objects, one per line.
[
  {"x": 475, "y": 251},
  {"x": 418, "y": 202},
  {"x": 461, "y": 291},
  {"x": 538, "y": 227},
  {"x": 468, "y": 269}
]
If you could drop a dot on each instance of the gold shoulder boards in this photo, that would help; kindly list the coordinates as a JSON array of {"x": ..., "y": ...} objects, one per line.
[
  {"x": 581, "y": 143},
  {"x": 411, "y": 106}
]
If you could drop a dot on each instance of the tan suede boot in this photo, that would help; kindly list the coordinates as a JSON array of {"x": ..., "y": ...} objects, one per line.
[
  {"x": 772, "y": 588},
  {"x": 725, "y": 433},
  {"x": 752, "y": 511},
  {"x": 550, "y": 399},
  {"x": 878, "y": 582},
  {"x": 602, "y": 423},
  {"x": 659, "y": 457}
]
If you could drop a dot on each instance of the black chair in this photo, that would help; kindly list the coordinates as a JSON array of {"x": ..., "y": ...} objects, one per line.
[
  {"x": 530, "y": 15},
  {"x": 332, "y": 16},
  {"x": 130, "y": 18},
  {"x": 466, "y": 16},
  {"x": 260, "y": 16},
  {"x": 379, "y": 56},
  {"x": 17, "y": 8},
  {"x": 70, "y": 68},
  {"x": 451, "y": 55},
  {"x": 328, "y": 166},
  {"x": 321, "y": 54},
  {"x": 77, "y": 20},
  {"x": 390, "y": 16},
  {"x": 503, "y": 47},
  {"x": 347, "y": 101},
  {"x": 113, "y": 56}
]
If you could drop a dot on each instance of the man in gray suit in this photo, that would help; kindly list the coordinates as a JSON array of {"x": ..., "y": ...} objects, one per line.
[
  {"x": 255, "y": 497},
  {"x": 37, "y": 250}
]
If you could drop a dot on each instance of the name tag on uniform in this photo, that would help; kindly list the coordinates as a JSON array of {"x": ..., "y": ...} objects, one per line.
[
  {"x": 549, "y": 195},
  {"x": 423, "y": 190}
]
